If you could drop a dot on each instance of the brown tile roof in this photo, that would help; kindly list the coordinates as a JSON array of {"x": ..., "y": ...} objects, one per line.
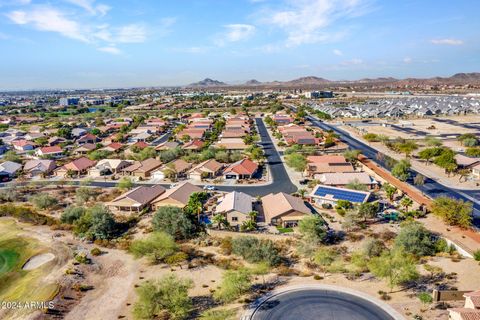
[
  {"x": 180, "y": 193},
  {"x": 180, "y": 165},
  {"x": 144, "y": 166},
  {"x": 79, "y": 164},
  {"x": 276, "y": 205},
  {"x": 143, "y": 195},
  {"x": 140, "y": 144}
]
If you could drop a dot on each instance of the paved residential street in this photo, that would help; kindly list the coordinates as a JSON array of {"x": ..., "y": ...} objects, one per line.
[
  {"x": 318, "y": 304},
  {"x": 280, "y": 181},
  {"x": 431, "y": 188}
]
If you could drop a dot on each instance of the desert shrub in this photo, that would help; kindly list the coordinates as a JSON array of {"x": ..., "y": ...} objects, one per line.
[
  {"x": 43, "y": 201},
  {"x": 425, "y": 297},
  {"x": 157, "y": 247},
  {"x": 95, "y": 251},
  {"x": 96, "y": 223},
  {"x": 174, "y": 221},
  {"x": 226, "y": 246},
  {"x": 373, "y": 247},
  {"x": 26, "y": 214},
  {"x": 255, "y": 250},
  {"x": 415, "y": 239},
  {"x": 166, "y": 298},
  {"x": 476, "y": 255},
  {"x": 72, "y": 214},
  {"x": 234, "y": 284}
]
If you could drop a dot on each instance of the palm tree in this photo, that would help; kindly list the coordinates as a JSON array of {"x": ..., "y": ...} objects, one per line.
[
  {"x": 220, "y": 220},
  {"x": 463, "y": 173},
  {"x": 406, "y": 203}
]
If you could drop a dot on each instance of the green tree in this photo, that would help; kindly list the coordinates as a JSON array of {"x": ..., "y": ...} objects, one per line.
[
  {"x": 401, "y": 170},
  {"x": 370, "y": 137},
  {"x": 407, "y": 147},
  {"x": 165, "y": 298},
  {"x": 256, "y": 250},
  {"x": 395, "y": 266},
  {"x": 125, "y": 183},
  {"x": 373, "y": 247},
  {"x": 97, "y": 223},
  {"x": 415, "y": 239},
  {"x": 312, "y": 229},
  {"x": 156, "y": 247},
  {"x": 219, "y": 314},
  {"x": 446, "y": 160},
  {"x": 390, "y": 190},
  {"x": 72, "y": 214},
  {"x": 453, "y": 212},
  {"x": 430, "y": 153},
  {"x": 195, "y": 204},
  {"x": 173, "y": 221},
  {"x": 406, "y": 202},
  {"x": 368, "y": 210},
  {"x": 234, "y": 284},
  {"x": 296, "y": 161},
  {"x": 352, "y": 156}
]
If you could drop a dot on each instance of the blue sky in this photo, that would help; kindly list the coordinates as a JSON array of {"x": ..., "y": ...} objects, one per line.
[{"x": 95, "y": 43}]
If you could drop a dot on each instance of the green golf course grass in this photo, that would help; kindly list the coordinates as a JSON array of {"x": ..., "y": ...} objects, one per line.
[
  {"x": 16, "y": 249},
  {"x": 8, "y": 259}
]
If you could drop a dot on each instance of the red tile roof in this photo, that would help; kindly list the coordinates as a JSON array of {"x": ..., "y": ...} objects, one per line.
[
  {"x": 244, "y": 166},
  {"x": 80, "y": 164},
  {"x": 53, "y": 149}
]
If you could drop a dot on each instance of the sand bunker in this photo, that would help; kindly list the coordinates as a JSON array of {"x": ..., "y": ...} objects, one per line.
[{"x": 38, "y": 260}]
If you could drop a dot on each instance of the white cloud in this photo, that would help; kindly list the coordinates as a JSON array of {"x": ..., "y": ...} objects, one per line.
[
  {"x": 305, "y": 21},
  {"x": 448, "y": 42},
  {"x": 407, "y": 60},
  {"x": 337, "y": 52},
  {"x": 91, "y": 7},
  {"x": 49, "y": 19},
  {"x": 235, "y": 32},
  {"x": 111, "y": 50},
  {"x": 132, "y": 33}
]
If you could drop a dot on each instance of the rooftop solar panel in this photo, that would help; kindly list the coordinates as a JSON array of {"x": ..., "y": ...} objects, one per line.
[{"x": 339, "y": 194}]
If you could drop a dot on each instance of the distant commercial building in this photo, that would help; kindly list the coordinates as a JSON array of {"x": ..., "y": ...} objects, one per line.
[
  {"x": 69, "y": 101},
  {"x": 319, "y": 94}
]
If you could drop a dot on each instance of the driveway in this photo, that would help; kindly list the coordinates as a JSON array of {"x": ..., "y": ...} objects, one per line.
[{"x": 320, "y": 302}]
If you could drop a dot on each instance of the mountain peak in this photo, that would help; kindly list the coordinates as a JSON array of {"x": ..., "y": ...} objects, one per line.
[{"x": 207, "y": 82}]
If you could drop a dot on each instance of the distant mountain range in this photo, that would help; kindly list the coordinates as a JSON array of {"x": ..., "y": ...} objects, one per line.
[{"x": 312, "y": 81}]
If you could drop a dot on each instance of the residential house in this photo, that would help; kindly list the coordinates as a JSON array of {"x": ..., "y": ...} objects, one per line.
[
  {"x": 8, "y": 170},
  {"x": 330, "y": 195},
  {"x": 88, "y": 138},
  {"x": 85, "y": 148},
  {"x": 476, "y": 172},
  {"x": 327, "y": 164},
  {"x": 284, "y": 209},
  {"x": 51, "y": 152},
  {"x": 135, "y": 200},
  {"x": 282, "y": 119},
  {"x": 141, "y": 137},
  {"x": 43, "y": 167},
  {"x": 208, "y": 169},
  {"x": 75, "y": 168},
  {"x": 231, "y": 144},
  {"x": 342, "y": 179},
  {"x": 243, "y": 169},
  {"x": 465, "y": 162},
  {"x": 23, "y": 145},
  {"x": 167, "y": 145},
  {"x": 470, "y": 310},
  {"x": 113, "y": 147},
  {"x": 53, "y": 141},
  {"x": 142, "y": 169},
  {"x": 108, "y": 166},
  {"x": 193, "y": 145},
  {"x": 235, "y": 206},
  {"x": 78, "y": 132},
  {"x": 179, "y": 167},
  {"x": 177, "y": 196}
]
